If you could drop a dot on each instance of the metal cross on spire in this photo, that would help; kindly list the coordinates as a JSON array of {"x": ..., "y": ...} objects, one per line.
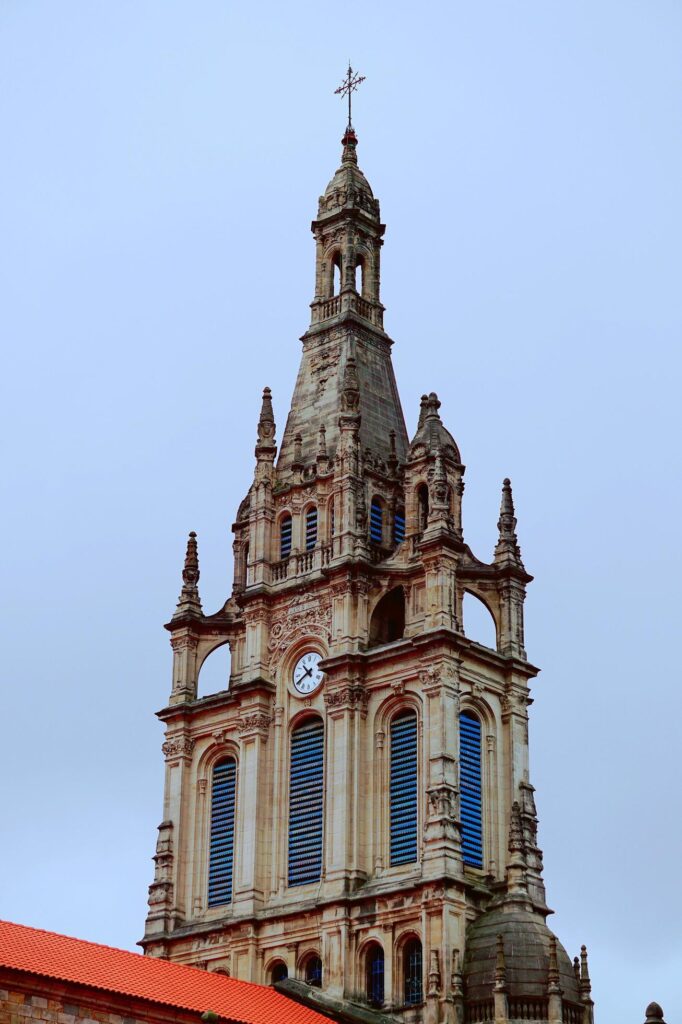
[{"x": 348, "y": 87}]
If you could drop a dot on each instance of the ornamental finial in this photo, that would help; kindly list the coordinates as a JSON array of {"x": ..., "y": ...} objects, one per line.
[{"x": 350, "y": 83}]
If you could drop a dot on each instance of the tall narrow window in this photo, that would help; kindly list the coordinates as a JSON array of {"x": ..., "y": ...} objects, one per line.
[
  {"x": 423, "y": 505},
  {"x": 332, "y": 519},
  {"x": 278, "y": 972},
  {"x": 412, "y": 972},
  {"x": 470, "y": 789},
  {"x": 399, "y": 526},
  {"x": 285, "y": 536},
  {"x": 221, "y": 847},
  {"x": 375, "y": 976},
  {"x": 376, "y": 521},
  {"x": 403, "y": 788},
  {"x": 306, "y": 792},
  {"x": 311, "y": 528}
]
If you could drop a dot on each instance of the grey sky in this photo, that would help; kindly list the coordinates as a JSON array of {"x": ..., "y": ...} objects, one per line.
[{"x": 161, "y": 165}]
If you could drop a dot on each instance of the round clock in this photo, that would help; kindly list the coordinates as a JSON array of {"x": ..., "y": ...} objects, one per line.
[{"x": 307, "y": 674}]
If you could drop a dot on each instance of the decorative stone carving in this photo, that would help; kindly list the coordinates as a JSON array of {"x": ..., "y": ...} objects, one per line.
[
  {"x": 256, "y": 722},
  {"x": 297, "y": 618},
  {"x": 177, "y": 747},
  {"x": 350, "y": 697}
]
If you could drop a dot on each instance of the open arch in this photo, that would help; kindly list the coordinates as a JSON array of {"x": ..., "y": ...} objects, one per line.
[
  {"x": 311, "y": 969},
  {"x": 478, "y": 621},
  {"x": 214, "y": 674},
  {"x": 278, "y": 971},
  {"x": 388, "y": 618},
  {"x": 336, "y": 275}
]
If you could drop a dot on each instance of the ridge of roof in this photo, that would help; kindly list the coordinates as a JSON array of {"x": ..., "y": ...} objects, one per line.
[{"x": 122, "y": 972}]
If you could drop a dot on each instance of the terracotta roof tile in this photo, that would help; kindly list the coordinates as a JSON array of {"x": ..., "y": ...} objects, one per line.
[{"x": 131, "y": 974}]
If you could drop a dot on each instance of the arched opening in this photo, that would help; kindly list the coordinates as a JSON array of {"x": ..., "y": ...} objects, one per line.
[
  {"x": 471, "y": 790},
  {"x": 399, "y": 525},
  {"x": 413, "y": 986},
  {"x": 376, "y": 521},
  {"x": 374, "y": 975},
  {"x": 403, "y": 789},
  {"x": 312, "y": 970},
  {"x": 336, "y": 273},
  {"x": 214, "y": 674},
  {"x": 311, "y": 528},
  {"x": 388, "y": 618},
  {"x": 306, "y": 798},
  {"x": 422, "y": 507},
  {"x": 278, "y": 972},
  {"x": 285, "y": 533},
  {"x": 331, "y": 519},
  {"x": 360, "y": 276},
  {"x": 478, "y": 622},
  {"x": 221, "y": 843}
]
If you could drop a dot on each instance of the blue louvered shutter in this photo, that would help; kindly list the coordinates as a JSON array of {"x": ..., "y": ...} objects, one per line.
[
  {"x": 399, "y": 526},
  {"x": 285, "y": 536},
  {"x": 404, "y": 789},
  {"x": 221, "y": 847},
  {"x": 306, "y": 793},
  {"x": 470, "y": 789},
  {"x": 310, "y": 528},
  {"x": 376, "y": 522}
]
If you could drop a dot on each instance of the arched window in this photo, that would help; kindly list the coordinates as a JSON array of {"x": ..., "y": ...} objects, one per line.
[
  {"x": 278, "y": 972},
  {"x": 403, "y": 788},
  {"x": 306, "y": 796},
  {"x": 221, "y": 846},
  {"x": 375, "y": 975},
  {"x": 332, "y": 519},
  {"x": 470, "y": 788},
  {"x": 376, "y": 521},
  {"x": 285, "y": 536},
  {"x": 388, "y": 618},
  {"x": 412, "y": 972},
  {"x": 313, "y": 971},
  {"x": 399, "y": 525},
  {"x": 311, "y": 528},
  {"x": 422, "y": 506},
  {"x": 336, "y": 273}
]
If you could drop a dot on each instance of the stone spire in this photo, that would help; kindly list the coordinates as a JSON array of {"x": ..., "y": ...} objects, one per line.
[
  {"x": 500, "y": 990},
  {"x": 554, "y": 992},
  {"x": 585, "y": 987},
  {"x": 189, "y": 602},
  {"x": 265, "y": 445},
  {"x": 516, "y": 868},
  {"x": 507, "y": 548}
]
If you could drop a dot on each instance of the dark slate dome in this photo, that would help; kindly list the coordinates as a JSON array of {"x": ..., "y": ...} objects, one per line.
[{"x": 526, "y": 953}]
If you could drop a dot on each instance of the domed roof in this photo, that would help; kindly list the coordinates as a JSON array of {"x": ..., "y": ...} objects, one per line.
[
  {"x": 349, "y": 186},
  {"x": 431, "y": 434},
  {"x": 526, "y": 940}
]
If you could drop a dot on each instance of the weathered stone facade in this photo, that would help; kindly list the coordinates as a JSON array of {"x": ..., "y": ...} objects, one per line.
[{"x": 378, "y": 595}]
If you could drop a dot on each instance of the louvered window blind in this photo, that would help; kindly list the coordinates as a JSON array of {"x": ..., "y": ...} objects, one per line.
[
  {"x": 399, "y": 526},
  {"x": 306, "y": 792},
  {"x": 285, "y": 537},
  {"x": 470, "y": 789},
  {"x": 221, "y": 848},
  {"x": 376, "y": 522},
  {"x": 404, "y": 789},
  {"x": 310, "y": 528}
]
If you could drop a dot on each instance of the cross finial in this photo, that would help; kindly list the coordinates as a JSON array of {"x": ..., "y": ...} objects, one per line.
[{"x": 350, "y": 83}]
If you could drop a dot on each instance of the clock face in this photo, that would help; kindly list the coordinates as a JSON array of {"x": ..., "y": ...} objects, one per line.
[{"x": 307, "y": 673}]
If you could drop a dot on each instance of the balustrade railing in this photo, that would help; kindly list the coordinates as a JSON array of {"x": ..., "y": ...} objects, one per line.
[
  {"x": 478, "y": 1012},
  {"x": 528, "y": 1009}
]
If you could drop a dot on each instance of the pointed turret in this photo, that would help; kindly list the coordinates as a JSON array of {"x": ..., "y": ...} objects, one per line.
[
  {"x": 189, "y": 602},
  {"x": 507, "y": 548},
  {"x": 554, "y": 991},
  {"x": 516, "y": 868},
  {"x": 586, "y": 988},
  {"x": 265, "y": 445}
]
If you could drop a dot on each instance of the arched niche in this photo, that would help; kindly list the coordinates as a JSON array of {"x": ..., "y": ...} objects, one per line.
[
  {"x": 214, "y": 674},
  {"x": 388, "y": 618},
  {"x": 478, "y": 621}
]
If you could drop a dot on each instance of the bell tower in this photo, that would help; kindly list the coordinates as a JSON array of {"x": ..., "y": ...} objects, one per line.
[{"x": 351, "y": 817}]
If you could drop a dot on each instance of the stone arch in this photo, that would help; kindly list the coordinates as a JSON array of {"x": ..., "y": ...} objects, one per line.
[
  {"x": 483, "y": 622},
  {"x": 387, "y": 621},
  {"x": 219, "y": 671}
]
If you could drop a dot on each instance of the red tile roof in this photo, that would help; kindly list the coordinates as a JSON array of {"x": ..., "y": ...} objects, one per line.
[{"x": 144, "y": 977}]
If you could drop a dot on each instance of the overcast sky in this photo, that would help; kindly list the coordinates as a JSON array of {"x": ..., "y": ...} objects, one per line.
[{"x": 161, "y": 166}]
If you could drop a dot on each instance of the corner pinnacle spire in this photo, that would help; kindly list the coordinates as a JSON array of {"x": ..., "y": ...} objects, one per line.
[
  {"x": 266, "y": 426},
  {"x": 189, "y": 602},
  {"x": 507, "y": 548}
]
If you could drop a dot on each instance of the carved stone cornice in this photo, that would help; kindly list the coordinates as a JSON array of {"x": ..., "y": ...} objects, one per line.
[
  {"x": 257, "y": 723},
  {"x": 353, "y": 697}
]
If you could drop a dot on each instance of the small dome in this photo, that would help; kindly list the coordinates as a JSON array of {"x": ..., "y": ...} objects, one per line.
[
  {"x": 349, "y": 186},
  {"x": 431, "y": 435},
  {"x": 526, "y": 953},
  {"x": 654, "y": 1012}
]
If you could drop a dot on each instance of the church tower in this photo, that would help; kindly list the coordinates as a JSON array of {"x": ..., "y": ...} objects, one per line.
[{"x": 352, "y": 818}]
